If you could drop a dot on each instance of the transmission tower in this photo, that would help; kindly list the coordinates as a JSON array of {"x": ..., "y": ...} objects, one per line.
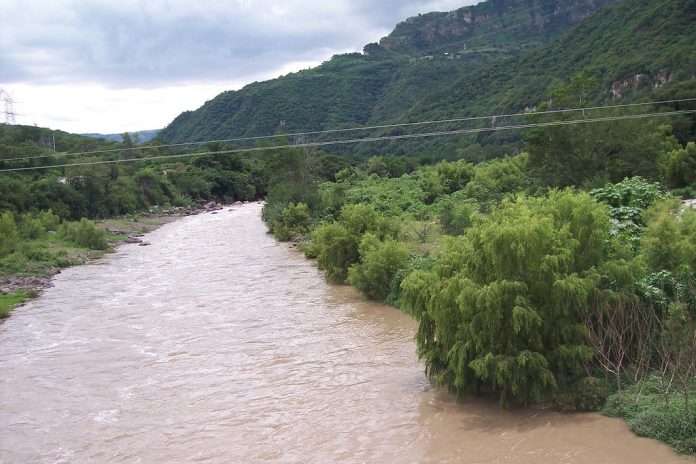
[{"x": 7, "y": 107}]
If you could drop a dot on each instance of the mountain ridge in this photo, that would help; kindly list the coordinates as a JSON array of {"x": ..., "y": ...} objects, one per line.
[
  {"x": 346, "y": 90},
  {"x": 387, "y": 84}
]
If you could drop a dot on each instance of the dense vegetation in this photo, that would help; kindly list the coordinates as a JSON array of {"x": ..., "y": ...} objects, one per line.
[
  {"x": 382, "y": 84},
  {"x": 103, "y": 190},
  {"x": 32, "y": 244},
  {"x": 565, "y": 274},
  {"x": 517, "y": 53}
]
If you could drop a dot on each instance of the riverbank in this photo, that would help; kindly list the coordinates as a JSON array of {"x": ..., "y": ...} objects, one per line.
[
  {"x": 27, "y": 276},
  {"x": 217, "y": 344},
  {"x": 475, "y": 269}
]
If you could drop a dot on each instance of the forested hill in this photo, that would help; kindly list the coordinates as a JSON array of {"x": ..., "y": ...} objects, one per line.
[
  {"x": 423, "y": 56},
  {"x": 634, "y": 48},
  {"x": 630, "y": 47}
]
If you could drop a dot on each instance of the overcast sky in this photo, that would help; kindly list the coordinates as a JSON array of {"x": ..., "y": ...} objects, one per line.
[{"x": 112, "y": 66}]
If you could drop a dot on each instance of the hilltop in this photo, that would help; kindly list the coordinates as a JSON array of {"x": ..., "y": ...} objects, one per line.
[{"x": 422, "y": 57}]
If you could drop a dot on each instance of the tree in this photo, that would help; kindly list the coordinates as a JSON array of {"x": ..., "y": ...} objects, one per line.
[
  {"x": 504, "y": 306},
  {"x": 678, "y": 167},
  {"x": 9, "y": 236},
  {"x": 669, "y": 249},
  {"x": 595, "y": 152},
  {"x": 336, "y": 244},
  {"x": 379, "y": 263}
]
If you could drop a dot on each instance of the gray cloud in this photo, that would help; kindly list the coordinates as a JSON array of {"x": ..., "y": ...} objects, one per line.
[{"x": 149, "y": 44}]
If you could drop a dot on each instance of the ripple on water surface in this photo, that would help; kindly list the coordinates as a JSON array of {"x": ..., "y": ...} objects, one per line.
[{"x": 216, "y": 344}]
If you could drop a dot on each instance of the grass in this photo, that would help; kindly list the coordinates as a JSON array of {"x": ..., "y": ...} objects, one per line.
[
  {"x": 7, "y": 302},
  {"x": 655, "y": 414},
  {"x": 42, "y": 256}
]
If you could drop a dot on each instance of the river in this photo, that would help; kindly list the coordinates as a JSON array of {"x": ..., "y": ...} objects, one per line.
[{"x": 217, "y": 344}]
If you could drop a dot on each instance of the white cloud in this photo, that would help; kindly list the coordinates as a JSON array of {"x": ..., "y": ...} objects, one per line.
[{"x": 72, "y": 54}]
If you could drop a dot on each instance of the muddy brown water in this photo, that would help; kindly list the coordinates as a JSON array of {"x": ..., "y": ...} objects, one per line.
[{"x": 216, "y": 344}]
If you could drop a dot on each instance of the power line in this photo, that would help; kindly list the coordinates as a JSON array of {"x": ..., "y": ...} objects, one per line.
[
  {"x": 10, "y": 114},
  {"x": 362, "y": 140},
  {"x": 357, "y": 128}
]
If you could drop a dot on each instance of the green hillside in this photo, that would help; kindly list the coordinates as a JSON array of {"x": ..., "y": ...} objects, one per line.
[
  {"x": 341, "y": 91},
  {"x": 634, "y": 48},
  {"x": 386, "y": 80}
]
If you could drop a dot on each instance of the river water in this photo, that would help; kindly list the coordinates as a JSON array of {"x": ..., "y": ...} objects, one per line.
[{"x": 216, "y": 344}]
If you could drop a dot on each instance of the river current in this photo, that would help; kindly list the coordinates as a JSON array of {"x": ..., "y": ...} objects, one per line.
[{"x": 217, "y": 344}]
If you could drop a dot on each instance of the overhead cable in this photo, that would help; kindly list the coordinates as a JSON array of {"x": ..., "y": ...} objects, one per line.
[
  {"x": 356, "y": 128},
  {"x": 360, "y": 140}
]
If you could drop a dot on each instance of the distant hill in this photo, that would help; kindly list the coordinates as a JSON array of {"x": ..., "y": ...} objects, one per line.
[
  {"x": 633, "y": 47},
  {"x": 142, "y": 136},
  {"x": 495, "y": 57},
  {"x": 39, "y": 144},
  {"x": 386, "y": 80}
]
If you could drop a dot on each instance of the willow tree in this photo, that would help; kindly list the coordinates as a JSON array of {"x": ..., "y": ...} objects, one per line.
[
  {"x": 503, "y": 307},
  {"x": 336, "y": 244}
]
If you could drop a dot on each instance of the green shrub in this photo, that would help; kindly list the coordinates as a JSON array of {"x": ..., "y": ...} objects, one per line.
[
  {"x": 335, "y": 250},
  {"x": 154, "y": 186},
  {"x": 31, "y": 228},
  {"x": 678, "y": 167},
  {"x": 685, "y": 193},
  {"x": 272, "y": 212},
  {"x": 454, "y": 176},
  {"x": 379, "y": 263},
  {"x": 628, "y": 198},
  {"x": 431, "y": 185},
  {"x": 294, "y": 222},
  {"x": 7, "y": 302},
  {"x": 183, "y": 200},
  {"x": 627, "y": 202},
  {"x": 13, "y": 263},
  {"x": 390, "y": 197},
  {"x": 415, "y": 263},
  {"x": 35, "y": 225},
  {"x": 669, "y": 241},
  {"x": 35, "y": 251},
  {"x": 123, "y": 196},
  {"x": 587, "y": 394},
  {"x": 49, "y": 221},
  {"x": 658, "y": 415},
  {"x": 359, "y": 219},
  {"x": 9, "y": 235},
  {"x": 457, "y": 216},
  {"x": 494, "y": 180},
  {"x": 336, "y": 244},
  {"x": 85, "y": 233}
]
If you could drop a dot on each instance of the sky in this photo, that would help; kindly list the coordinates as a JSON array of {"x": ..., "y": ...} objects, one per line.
[{"x": 111, "y": 66}]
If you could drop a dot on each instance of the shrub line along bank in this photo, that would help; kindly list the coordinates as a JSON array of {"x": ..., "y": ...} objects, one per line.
[{"x": 583, "y": 299}]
